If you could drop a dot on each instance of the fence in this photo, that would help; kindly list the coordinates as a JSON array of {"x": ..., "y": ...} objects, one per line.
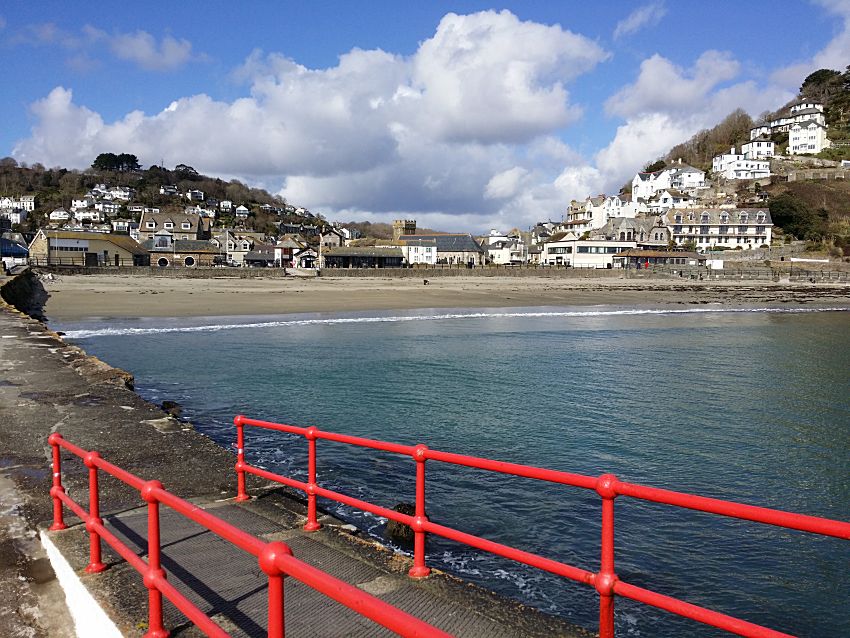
[
  {"x": 607, "y": 486},
  {"x": 275, "y": 559}
]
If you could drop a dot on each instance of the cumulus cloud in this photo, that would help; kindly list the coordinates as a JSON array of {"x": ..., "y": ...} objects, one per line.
[
  {"x": 661, "y": 85},
  {"x": 646, "y": 16},
  {"x": 463, "y": 127}
]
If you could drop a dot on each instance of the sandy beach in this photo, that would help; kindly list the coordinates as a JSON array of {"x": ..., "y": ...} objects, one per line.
[{"x": 75, "y": 297}]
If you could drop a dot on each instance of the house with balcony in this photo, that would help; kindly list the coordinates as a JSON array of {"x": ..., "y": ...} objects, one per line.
[
  {"x": 807, "y": 137},
  {"x": 734, "y": 165},
  {"x": 758, "y": 148},
  {"x": 567, "y": 249},
  {"x": 708, "y": 228}
]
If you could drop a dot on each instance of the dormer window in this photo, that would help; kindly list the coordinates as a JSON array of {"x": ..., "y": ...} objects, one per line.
[
  {"x": 246, "y": 245},
  {"x": 168, "y": 225},
  {"x": 724, "y": 218},
  {"x": 744, "y": 218},
  {"x": 150, "y": 225},
  {"x": 678, "y": 219},
  {"x": 704, "y": 218},
  {"x": 185, "y": 225}
]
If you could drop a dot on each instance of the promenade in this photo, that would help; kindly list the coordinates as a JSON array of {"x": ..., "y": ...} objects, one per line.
[{"x": 48, "y": 386}]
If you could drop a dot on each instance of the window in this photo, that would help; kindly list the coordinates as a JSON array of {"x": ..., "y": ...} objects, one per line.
[
  {"x": 189, "y": 261},
  {"x": 168, "y": 225},
  {"x": 150, "y": 225},
  {"x": 162, "y": 262},
  {"x": 185, "y": 225}
]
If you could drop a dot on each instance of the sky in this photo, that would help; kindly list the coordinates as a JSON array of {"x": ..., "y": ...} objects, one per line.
[{"x": 464, "y": 116}]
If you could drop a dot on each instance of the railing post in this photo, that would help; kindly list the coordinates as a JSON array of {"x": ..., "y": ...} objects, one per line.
[
  {"x": 268, "y": 563},
  {"x": 95, "y": 564},
  {"x": 241, "y": 492},
  {"x": 154, "y": 573},
  {"x": 606, "y": 487},
  {"x": 56, "y": 489},
  {"x": 419, "y": 569},
  {"x": 312, "y": 524}
]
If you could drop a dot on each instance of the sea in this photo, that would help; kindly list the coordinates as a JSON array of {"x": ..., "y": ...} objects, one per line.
[{"x": 745, "y": 404}]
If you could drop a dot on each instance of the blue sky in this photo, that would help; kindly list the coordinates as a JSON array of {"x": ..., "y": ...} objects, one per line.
[{"x": 463, "y": 115}]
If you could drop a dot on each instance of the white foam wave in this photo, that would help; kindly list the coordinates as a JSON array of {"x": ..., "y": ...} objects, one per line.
[{"x": 108, "y": 332}]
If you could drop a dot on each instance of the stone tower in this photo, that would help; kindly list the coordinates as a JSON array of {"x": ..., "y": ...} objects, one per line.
[{"x": 403, "y": 227}]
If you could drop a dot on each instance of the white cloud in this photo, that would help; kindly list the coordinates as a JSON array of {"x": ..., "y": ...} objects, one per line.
[
  {"x": 141, "y": 47},
  {"x": 505, "y": 184},
  {"x": 646, "y": 16},
  {"x": 663, "y": 86},
  {"x": 460, "y": 129},
  {"x": 490, "y": 77},
  {"x": 835, "y": 55}
]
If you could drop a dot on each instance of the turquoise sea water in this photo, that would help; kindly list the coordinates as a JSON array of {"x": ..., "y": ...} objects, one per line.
[{"x": 752, "y": 406}]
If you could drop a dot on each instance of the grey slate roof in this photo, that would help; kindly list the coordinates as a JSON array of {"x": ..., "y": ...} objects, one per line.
[
  {"x": 450, "y": 243},
  {"x": 362, "y": 251}
]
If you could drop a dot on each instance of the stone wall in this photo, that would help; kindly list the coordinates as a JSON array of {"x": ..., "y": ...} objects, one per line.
[
  {"x": 487, "y": 271},
  {"x": 180, "y": 273}
]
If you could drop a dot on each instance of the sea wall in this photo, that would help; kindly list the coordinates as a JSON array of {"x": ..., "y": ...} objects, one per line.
[
  {"x": 488, "y": 271},
  {"x": 177, "y": 273}
]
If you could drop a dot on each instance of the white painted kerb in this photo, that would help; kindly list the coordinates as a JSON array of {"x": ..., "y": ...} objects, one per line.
[{"x": 90, "y": 621}]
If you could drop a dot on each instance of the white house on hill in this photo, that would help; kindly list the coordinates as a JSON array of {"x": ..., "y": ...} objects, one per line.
[
  {"x": 807, "y": 137},
  {"x": 734, "y": 165}
]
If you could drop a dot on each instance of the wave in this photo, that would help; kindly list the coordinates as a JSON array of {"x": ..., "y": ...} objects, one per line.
[{"x": 111, "y": 332}]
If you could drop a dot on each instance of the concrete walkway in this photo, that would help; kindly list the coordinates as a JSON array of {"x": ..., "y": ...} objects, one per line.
[{"x": 48, "y": 386}]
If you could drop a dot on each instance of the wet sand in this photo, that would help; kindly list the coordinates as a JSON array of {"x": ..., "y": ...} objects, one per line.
[{"x": 75, "y": 297}]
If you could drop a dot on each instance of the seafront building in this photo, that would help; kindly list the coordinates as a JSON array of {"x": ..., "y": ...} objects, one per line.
[{"x": 708, "y": 228}]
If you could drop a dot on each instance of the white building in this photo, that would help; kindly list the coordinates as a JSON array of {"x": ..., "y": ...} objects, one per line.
[
  {"x": 582, "y": 253},
  {"x": 242, "y": 212},
  {"x": 733, "y": 165},
  {"x": 123, "y": 193},
  {"x": 27, "y": 203},
  {"x": 758, "y": 148},
  {"x": 60, "y": 215},
  {"x": 195, "y": 196},
  {"x": 419, "y": 251},
  {"x": 168, "y": 190},
  {"x": 15, "y": 216},
  {"x": 742, "y": 228},
  {"x": 88, "y": 214},
  {"x": 807, "y": 137},
  {"x": 225, "y": 205},
  {"x": 678, "y": 176}
]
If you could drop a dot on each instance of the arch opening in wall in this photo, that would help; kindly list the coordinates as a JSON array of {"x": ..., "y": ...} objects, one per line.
[
  {"x": 162, "y": 262},
  {"x": 189, "y": 261}
]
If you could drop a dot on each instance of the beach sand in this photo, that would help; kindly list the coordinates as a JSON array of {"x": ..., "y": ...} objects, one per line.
[{"x": 76, "y": 297}]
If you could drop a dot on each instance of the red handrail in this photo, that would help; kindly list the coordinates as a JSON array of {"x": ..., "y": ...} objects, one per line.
[
  {"x": 275, "y": 558},
  {"x": 607, "y": 486}
]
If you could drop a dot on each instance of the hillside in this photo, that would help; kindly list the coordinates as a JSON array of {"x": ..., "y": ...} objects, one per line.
[
  {"x": 829, "y": 87},
  {"x": 56, "y": 187}
]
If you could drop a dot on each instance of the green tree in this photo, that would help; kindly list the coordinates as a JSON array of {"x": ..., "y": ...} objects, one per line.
[
  {"x": 796, "y": 218},
  {"x": 106, "y": 162},
  {"x": 655, "y": 166}
]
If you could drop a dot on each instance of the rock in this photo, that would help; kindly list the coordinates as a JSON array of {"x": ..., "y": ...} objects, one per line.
[
  {"x": 399, "y": 533},
  {"x": 172, "y": 407}
]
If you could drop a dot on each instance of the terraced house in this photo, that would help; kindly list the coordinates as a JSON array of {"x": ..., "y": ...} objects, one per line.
[
  {"x": 181, "y": 225},
  {"x": 707, "y": 228}
]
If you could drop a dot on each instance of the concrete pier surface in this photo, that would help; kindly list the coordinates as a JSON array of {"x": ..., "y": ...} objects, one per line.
[{"x": 49, "y": 386}]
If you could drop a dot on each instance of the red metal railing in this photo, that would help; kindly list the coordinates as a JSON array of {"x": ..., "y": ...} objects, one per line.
[
  {"x": 608, "y": 487},
  {"x": 275, "y": 558}
]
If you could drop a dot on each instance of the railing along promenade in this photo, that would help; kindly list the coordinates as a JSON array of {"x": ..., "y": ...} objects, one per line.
[
  {"x": 275, "y": 559},
  {"x": 607, "y": 486}
]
